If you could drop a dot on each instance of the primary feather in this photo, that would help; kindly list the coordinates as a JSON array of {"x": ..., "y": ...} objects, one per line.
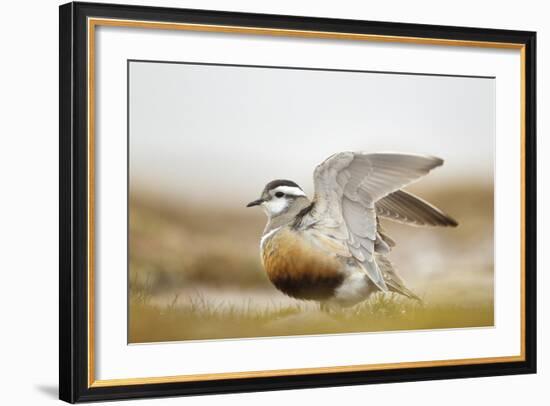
[{"x": 409, "y": 209}]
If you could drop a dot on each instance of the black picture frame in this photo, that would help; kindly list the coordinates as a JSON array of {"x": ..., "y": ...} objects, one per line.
[{"x": 73, "y": 196}]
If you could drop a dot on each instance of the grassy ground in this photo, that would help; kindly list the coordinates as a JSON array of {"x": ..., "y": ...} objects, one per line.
[
  {"x": 200, "y": 320},
  {"x": 176, "y": 249}
]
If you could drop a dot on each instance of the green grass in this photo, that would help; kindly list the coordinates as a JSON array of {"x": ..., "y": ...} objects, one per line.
[{"x": 201, "y": 320}]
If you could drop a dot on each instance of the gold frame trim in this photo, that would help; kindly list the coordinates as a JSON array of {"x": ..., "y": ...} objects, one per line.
[{"x": 94, "y": 22}]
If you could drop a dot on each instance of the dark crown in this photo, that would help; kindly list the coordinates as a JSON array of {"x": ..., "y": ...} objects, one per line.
[{"x": 280, "y": 182}]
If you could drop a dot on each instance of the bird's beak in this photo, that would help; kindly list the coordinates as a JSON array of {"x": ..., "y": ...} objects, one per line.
[{"x": 256, "y": 202}]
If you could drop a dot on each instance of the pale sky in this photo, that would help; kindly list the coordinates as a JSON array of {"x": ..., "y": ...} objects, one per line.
[{"x": 204, "y": 132}]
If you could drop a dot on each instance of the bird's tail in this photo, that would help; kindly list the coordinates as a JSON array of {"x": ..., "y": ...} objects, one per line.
[{"x": 393, "y": 281}]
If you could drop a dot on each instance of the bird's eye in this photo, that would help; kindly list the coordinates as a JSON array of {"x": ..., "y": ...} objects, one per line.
[{"x": 279, "y": 194}]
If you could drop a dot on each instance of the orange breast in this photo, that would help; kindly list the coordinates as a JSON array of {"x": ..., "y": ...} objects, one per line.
[{"x": 300, "y": 270}]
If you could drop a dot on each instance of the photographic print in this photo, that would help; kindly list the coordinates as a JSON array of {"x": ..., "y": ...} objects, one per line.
[{"x": 269, "y": 201}]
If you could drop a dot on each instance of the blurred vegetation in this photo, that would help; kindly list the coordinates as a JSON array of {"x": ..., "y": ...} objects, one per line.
[
  {"x": 195, "y": 273},
  {"x": 173, "y": 247},
  {"x": 383, "y": 312}
]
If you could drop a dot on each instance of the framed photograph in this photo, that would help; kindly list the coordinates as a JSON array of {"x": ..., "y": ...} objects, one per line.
[{"x": 255, "y": 202}]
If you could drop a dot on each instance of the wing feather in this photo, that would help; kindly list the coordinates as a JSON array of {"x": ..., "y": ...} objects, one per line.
[
  {"x": 347, "y": 187},
  {"x": 394, "y": 282},
  {"x": 407, "y": 208}
]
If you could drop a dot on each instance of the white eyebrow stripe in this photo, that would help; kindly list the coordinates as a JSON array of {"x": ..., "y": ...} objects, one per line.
[{"x": 290, "y": 190}]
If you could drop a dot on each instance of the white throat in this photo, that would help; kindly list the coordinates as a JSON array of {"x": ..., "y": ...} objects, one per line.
[{"x": 274, "y": 207}]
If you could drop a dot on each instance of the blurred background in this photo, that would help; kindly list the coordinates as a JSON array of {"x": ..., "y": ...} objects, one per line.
[{"x": 205, "y": 139}]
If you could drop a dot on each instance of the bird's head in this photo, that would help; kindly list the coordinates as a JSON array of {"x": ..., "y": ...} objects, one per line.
[{"x": 280, "y": 197}]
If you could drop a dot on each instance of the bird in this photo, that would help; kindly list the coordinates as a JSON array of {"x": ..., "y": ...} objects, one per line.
[{"x": 332, "y": 249}]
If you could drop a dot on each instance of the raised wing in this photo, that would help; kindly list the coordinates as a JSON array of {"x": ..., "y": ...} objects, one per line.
[
  {"x": 347, "y": 186},
  {"x": 407, "y": 208}
]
